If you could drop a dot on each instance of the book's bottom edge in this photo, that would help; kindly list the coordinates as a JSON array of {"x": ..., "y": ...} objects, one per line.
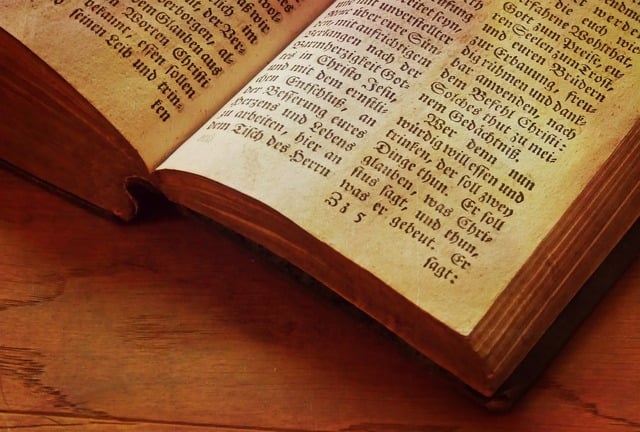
[{"x": 543, "y": 352}]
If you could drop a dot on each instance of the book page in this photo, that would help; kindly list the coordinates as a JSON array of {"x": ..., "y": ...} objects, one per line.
[
  {"x": 157, "y": 69},
  {"x": 433, "y": 143}
]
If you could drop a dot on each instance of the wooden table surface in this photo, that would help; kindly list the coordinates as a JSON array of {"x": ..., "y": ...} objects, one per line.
[{"x": 172, "y": 324}]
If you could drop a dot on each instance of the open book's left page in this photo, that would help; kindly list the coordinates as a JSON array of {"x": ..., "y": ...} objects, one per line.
[{"x": 156, "y": 69}]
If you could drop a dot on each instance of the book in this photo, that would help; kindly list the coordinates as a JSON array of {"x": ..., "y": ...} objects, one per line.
[{"x": 456, "y": 169}]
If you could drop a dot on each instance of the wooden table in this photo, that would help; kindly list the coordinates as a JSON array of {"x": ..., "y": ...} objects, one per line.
[{"x": 173, "y": 324}]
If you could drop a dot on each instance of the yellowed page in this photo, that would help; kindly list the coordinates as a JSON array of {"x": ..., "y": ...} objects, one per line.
[
  {"x": 434, "y": 143},
  {"x": 157, "y": 69}
]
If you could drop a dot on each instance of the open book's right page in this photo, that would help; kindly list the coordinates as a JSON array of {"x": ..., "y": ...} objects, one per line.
[{"x": 433, "y": 142}]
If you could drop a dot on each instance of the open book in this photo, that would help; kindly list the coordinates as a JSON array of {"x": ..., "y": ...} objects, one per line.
[{"x": 456, "y": 169}]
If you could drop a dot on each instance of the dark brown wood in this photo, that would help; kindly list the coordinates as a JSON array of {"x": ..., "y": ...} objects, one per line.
[{"x": 174, "y": 324}]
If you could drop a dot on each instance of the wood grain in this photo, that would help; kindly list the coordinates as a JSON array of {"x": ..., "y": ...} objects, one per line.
[{"x": 173, "y": 324}]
